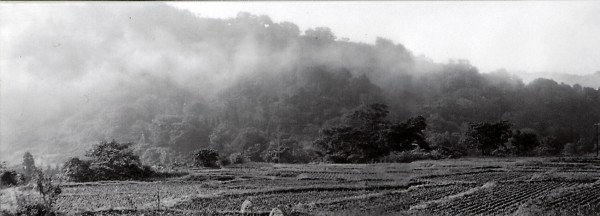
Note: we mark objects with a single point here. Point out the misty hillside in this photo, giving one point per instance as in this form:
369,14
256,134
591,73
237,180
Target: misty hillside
587,80
172,82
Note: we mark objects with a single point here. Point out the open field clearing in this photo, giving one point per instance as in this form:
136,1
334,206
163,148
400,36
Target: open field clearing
471,186
446,187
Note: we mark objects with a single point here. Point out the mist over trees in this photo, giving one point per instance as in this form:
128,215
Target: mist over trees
173,83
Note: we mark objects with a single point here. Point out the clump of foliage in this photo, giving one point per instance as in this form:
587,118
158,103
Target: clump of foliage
500,140
77,170
365,136
580,147
10,178
224,160
237,158
285,149
524,141
570,149
550,145
44,196
107,161
490,136
252,142
447,144
28,165
112,160
206,158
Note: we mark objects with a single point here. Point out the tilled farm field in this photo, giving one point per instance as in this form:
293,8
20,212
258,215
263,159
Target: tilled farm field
475,186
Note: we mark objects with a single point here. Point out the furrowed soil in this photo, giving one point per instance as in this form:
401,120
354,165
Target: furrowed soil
468,186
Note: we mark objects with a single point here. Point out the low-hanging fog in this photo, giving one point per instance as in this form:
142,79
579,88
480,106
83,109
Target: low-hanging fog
168,80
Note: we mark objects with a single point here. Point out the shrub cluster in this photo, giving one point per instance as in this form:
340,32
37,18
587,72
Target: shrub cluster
36,198
107,161
237,158
11,178
206,158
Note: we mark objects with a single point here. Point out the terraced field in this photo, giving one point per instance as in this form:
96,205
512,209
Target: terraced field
482,176
395,201
580,199
263,202
503,198
520,186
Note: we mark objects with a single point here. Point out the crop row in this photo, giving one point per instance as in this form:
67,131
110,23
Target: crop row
570,198
261,202
276,183
166,188
341,175
483,176
395,201
503,198
78,203
266,199
562,166
111,196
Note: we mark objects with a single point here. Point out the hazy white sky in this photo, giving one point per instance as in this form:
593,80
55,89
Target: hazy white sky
533,36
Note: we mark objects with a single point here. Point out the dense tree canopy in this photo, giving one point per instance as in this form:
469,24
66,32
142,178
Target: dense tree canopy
524,142
106,161
366,135
490,136
234,85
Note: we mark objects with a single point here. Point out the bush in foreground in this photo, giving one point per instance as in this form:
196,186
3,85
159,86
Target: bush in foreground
37,198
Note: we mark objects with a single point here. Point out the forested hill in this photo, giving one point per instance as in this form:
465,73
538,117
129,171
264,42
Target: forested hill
589,80
173,82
